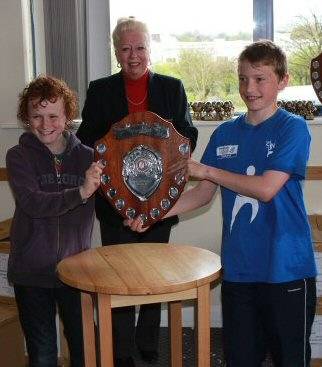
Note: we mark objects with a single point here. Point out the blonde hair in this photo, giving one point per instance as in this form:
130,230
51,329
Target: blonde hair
129,24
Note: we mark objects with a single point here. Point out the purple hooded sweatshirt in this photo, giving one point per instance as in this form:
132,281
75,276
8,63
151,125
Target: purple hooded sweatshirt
50,221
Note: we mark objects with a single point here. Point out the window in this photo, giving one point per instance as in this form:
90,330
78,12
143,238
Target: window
196,42
298,30
200,43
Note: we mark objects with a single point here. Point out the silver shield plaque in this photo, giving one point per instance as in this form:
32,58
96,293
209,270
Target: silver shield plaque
142,171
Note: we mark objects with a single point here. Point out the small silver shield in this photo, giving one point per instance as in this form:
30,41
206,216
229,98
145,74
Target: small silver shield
142,171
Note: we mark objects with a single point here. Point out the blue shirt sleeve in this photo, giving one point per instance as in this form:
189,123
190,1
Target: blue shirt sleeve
292,148
209,156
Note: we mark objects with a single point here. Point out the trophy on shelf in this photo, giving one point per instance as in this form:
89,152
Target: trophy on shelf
316,76
144,161
306,109
212,111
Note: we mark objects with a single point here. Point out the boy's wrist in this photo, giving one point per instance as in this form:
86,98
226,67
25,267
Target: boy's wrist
83,195
208,173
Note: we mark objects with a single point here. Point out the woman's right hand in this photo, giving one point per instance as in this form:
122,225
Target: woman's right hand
136,224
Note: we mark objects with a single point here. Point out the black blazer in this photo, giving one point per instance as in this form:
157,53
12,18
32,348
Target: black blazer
106,104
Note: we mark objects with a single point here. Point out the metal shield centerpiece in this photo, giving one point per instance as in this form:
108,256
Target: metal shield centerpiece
144,160
316,76
142,171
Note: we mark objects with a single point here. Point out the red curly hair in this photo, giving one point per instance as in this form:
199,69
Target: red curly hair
49,88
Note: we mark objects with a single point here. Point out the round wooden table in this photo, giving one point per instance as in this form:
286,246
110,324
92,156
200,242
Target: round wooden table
135,274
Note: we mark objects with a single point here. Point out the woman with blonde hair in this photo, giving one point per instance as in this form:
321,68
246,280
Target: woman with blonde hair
134,89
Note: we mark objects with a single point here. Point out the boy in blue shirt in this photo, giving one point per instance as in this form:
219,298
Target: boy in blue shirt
259,161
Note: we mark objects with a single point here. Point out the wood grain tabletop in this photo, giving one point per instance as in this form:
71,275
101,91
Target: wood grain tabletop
140,269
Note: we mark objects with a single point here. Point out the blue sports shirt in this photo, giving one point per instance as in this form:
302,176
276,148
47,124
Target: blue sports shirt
264,242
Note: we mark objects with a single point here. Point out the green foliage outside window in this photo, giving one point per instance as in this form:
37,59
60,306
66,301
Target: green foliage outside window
205,77
305,43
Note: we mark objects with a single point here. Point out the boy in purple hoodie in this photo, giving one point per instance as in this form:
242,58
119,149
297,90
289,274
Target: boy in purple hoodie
52,177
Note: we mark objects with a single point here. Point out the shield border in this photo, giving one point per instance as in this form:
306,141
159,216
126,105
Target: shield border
174,149
316,75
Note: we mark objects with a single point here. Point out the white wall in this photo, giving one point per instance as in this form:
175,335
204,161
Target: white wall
12,64
13,74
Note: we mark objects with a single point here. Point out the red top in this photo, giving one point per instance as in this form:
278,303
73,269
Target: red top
137,93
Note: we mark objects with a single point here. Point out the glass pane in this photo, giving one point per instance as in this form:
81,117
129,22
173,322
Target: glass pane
197,42
298,30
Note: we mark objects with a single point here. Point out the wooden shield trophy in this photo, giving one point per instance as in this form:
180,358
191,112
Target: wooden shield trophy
144,160
316,76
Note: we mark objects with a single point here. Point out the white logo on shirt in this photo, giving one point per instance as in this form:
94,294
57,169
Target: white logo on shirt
242,200
227,151
270,147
